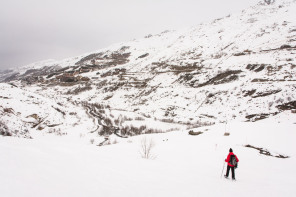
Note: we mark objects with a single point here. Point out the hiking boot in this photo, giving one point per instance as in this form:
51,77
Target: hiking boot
226,176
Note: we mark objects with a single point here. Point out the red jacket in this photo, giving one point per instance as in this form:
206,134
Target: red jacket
228,159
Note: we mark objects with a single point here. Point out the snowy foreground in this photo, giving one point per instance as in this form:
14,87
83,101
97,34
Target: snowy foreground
184,165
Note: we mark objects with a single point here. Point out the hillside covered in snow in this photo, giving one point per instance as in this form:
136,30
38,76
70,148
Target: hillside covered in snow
240,67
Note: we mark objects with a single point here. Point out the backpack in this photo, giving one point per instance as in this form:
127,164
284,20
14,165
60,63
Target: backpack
233,161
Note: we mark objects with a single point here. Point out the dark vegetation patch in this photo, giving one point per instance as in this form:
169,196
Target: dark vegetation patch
124,48
270,80
239,54
245,52
118,58
208,116
283,47
8,110
132,130
186,68
147,91
32,79
260,68
144,55
108,125
80,89
101,60
266,93
256,67
67,79
186,77
63,69
30,75
52,74
36,75
4,131
113,59
214,97
261,80
136,83
266,152
158,66
4,97
170,111
59,110
88,58
113,87
249,92
30,71
256,117
11,77
287,106
221,78
191,132
116,71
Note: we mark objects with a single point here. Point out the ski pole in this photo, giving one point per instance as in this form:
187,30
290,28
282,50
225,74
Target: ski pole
222,169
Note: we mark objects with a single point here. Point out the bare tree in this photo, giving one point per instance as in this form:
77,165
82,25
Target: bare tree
146,148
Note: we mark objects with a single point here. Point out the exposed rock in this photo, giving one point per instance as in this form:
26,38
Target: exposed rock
287,106
225,77
144,55
256,117
249,92
191,132
285,46
256,67
266,152
266,93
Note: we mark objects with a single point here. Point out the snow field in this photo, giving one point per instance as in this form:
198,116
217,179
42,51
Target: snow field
184,165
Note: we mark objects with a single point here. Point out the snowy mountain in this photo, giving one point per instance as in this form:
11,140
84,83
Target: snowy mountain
240,67
194,93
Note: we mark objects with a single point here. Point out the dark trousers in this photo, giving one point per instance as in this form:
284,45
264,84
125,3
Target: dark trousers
232,171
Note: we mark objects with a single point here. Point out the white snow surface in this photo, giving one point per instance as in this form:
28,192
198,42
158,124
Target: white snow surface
183,165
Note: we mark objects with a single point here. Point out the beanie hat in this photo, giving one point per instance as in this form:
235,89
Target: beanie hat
230,150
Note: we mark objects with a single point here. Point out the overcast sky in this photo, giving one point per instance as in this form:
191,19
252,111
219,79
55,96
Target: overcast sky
34,30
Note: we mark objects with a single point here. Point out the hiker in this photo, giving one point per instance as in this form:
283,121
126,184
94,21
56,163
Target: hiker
232,164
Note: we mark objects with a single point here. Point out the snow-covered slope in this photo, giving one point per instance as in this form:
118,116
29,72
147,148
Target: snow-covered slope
185,165
23,111
239,67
